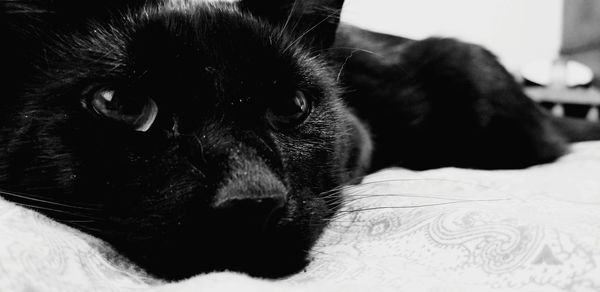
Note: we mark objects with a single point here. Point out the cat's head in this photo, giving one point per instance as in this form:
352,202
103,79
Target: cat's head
203,135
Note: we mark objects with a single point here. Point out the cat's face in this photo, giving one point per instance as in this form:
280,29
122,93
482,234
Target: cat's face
203,134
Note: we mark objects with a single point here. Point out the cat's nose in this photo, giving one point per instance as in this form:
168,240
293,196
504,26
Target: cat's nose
252,196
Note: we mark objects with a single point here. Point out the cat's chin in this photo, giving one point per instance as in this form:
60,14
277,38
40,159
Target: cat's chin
274,255
265,262
271,264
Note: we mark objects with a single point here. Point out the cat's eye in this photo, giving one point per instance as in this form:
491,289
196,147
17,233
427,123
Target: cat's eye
137,114
286,113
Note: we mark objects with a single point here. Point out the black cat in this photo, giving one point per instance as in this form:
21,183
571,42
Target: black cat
196,136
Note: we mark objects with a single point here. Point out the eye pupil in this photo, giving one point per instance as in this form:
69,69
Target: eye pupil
292,107
287,113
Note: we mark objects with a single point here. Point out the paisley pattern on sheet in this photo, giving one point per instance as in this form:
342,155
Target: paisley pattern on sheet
440,230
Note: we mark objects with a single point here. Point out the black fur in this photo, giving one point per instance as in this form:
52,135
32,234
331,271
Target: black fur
227,177
442,102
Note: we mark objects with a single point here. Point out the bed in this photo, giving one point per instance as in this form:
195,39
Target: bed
448,229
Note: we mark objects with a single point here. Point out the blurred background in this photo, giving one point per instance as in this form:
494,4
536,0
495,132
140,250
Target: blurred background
555,43
516,30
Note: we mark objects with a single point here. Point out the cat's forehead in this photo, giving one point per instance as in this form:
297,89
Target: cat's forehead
183,2
187,3
216,49
211,33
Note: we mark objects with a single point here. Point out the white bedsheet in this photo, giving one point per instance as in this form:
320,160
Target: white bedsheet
440,230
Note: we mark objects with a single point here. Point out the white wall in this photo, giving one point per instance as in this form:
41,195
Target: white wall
517,30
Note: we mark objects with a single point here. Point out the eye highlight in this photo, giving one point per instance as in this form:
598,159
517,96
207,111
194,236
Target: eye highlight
136,114
286,113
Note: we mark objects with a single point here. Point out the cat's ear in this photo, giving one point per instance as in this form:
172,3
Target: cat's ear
315,21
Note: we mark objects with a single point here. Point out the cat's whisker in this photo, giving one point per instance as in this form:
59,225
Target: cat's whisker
348,195
309,30
316,251
406,195
353,49
197,139
296,23
340,187
78,221
339,74
339,216
53,210
418,206
445,180
330,194
405,74
92,230
31,198
345,190
287,21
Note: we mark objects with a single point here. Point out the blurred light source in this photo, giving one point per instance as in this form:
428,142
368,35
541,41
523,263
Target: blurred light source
518,31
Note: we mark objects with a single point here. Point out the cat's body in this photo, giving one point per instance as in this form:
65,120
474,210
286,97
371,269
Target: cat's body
442,102
197,136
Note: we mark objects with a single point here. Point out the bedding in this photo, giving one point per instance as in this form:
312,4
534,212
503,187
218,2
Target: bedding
448,229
